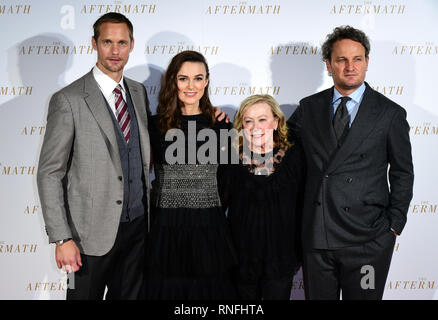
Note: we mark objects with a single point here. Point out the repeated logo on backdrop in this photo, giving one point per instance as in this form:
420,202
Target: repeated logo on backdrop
425,49
239,8
15,9
32,209
55,48
243,90
389,90
175,48
119,7
421,284
33,130
295,49
424,129
368,8
47,286
15,91
423,208
17,248
17,170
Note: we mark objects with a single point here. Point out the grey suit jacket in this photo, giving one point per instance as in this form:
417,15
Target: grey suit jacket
79,166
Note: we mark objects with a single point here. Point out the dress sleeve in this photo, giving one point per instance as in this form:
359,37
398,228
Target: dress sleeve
226,178
227,169
292,169
291,177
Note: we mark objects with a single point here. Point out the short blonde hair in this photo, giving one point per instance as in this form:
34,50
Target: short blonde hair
280,135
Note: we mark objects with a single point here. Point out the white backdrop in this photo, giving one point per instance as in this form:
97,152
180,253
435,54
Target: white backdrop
252,46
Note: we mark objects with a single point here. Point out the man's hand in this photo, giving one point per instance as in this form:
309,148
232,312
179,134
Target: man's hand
68,256
220,115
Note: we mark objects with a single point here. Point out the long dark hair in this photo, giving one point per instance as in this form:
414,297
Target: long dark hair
169,106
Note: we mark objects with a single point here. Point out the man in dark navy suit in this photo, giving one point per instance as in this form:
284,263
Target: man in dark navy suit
355,141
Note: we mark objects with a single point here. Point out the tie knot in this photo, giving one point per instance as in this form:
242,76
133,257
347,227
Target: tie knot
118,89
345,99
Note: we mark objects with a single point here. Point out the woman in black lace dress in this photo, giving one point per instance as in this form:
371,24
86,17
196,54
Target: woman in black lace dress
262,195
190,252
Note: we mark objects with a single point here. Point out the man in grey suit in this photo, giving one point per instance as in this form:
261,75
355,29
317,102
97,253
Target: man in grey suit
355,140
93,172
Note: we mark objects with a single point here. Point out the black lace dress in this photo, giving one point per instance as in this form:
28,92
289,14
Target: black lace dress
263,195
190,252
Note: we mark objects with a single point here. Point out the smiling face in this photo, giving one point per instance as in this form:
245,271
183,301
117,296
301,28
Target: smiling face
113,48
347,65
259,124
191,81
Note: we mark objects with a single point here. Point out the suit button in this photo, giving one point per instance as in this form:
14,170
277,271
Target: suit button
119,201
317,203
120,178
326,176
362,155
349,180
347,209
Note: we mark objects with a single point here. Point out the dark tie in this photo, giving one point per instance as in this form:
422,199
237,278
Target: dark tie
342,119
122,113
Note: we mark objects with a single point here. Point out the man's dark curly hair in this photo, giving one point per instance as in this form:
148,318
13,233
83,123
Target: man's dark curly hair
344,32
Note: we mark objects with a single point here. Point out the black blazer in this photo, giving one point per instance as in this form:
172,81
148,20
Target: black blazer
347,199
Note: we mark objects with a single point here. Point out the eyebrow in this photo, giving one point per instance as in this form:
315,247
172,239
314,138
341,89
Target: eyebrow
108,39
359,56
263,115
197,75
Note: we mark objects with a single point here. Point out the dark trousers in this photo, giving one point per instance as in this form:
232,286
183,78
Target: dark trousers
254,284
359,272
120,270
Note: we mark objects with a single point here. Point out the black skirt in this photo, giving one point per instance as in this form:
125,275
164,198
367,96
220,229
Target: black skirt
191,256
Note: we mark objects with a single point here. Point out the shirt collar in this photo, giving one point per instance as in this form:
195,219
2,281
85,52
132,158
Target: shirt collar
106,84
356,96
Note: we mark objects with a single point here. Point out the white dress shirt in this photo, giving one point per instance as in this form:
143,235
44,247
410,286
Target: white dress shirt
107,86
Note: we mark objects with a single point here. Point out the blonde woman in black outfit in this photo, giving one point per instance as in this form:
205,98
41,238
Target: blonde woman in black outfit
262,196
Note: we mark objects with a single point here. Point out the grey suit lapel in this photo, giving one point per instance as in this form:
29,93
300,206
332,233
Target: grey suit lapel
97,105
140,109
136,101
365,120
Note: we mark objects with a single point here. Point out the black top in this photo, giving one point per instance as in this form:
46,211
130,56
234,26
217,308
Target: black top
263,197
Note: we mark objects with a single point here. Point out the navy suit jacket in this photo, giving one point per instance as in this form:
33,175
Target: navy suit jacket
347,198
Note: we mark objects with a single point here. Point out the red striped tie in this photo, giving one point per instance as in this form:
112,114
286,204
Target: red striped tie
122,113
